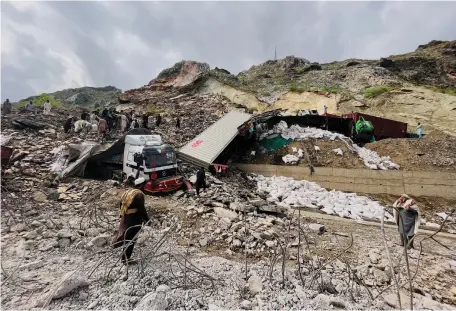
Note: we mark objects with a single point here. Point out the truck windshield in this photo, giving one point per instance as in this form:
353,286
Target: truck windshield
159,157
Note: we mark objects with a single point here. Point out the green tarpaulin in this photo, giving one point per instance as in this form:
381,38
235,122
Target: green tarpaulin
274,142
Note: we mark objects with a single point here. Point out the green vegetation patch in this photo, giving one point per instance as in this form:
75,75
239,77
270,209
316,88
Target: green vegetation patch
443,90
151,108
294,87
39,101
374,91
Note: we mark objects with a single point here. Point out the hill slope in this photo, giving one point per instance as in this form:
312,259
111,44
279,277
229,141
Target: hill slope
416,87
83,96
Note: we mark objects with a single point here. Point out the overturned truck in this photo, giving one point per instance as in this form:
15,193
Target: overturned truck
139,156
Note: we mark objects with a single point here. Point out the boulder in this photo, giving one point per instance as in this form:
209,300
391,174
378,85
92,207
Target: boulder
39,196
224,213
100,241
153,301
392,301
255,284
321,301
246,305
64,242
318,228
69,282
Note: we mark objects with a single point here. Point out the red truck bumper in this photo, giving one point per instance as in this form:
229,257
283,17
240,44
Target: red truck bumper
164,185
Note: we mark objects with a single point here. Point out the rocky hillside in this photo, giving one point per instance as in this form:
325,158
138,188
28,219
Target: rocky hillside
83,97
416,87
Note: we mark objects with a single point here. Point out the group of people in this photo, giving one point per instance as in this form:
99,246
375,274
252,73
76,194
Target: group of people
6,108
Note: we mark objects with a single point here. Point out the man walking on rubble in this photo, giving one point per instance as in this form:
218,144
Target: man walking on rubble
132,215
6,109
200,180
158,120
47,107
407,218
102,128
178,122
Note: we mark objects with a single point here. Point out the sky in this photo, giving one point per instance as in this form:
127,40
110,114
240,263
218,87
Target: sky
49,46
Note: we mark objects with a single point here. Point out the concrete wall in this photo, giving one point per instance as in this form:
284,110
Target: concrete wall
366,181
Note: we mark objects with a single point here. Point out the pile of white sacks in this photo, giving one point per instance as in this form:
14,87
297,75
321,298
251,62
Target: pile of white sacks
287,192
370,158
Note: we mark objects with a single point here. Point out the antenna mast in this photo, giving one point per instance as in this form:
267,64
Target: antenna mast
275,53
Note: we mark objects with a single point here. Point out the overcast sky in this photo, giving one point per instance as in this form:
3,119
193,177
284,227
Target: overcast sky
49,46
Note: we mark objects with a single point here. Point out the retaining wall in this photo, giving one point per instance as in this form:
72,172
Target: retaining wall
416,183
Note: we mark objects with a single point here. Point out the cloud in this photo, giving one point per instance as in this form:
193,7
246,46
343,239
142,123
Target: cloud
47,46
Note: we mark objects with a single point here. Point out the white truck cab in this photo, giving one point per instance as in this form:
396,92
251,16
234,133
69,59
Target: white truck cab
145,156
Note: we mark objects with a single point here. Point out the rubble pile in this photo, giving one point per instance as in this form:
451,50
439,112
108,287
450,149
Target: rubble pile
370,158
197,113
434,152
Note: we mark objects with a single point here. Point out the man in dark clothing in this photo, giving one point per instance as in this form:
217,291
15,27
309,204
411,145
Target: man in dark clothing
200,180
132,215
145,120
178,122
158,120
68,124
85,116
6,107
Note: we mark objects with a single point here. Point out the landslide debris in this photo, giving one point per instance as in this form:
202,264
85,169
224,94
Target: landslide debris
434,152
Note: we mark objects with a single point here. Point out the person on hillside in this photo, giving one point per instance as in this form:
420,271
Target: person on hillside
47,107
145,121
407,218
6,109
200,180
102,128
29,107
419,130
123,123
158,120
325,108
132,215
85,115
134,124
178,122
68,124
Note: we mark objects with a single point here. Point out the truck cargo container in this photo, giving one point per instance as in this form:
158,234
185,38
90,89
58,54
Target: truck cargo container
383,128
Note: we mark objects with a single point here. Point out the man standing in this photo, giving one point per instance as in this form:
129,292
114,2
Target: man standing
158,120
29,107
407,217
178,122
145,121
419,130
102,128
47,107
123,123
6,107
132,215
200,180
